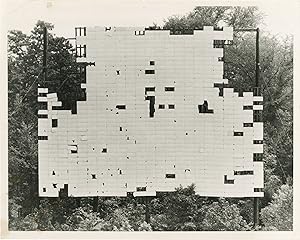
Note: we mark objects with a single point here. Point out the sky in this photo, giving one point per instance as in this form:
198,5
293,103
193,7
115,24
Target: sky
280,16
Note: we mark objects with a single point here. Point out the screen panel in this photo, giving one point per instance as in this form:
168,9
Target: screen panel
157,114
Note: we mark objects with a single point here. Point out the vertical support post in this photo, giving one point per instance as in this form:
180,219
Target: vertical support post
147,212
257,75
78,201
45,50
224,67
95,203
257,67
255,211
45,53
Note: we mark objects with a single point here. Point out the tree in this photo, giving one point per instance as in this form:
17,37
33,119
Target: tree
222,216
238,17
83,219
117,221
145,227
276,83
178,211
272,184
38,220
24,73
135,213
278,114
278,215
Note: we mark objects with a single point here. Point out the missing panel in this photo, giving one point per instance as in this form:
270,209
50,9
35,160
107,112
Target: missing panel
171,106
42,137
170,175
54,123
149,71
238,134
248,107
258,189
121,107
257,157
257,116
169,89
250,172
204,108
141,189
228,181
151,105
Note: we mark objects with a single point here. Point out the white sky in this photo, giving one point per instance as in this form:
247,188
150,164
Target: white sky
281,16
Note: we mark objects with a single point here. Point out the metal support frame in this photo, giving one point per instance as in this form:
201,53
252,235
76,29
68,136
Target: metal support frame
147,211
45,54
95,203
148,199
255,212
257,65
257,77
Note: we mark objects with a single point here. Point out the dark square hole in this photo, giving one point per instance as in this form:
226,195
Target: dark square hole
149,71
168,175
140,189
121,106
169,89
54,123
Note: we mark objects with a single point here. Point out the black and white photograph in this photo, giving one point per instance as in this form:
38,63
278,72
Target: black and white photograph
148,116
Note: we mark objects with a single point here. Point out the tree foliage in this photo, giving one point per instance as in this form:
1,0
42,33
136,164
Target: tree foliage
237,17
276,82
177,211
222,216
278,215
25,71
